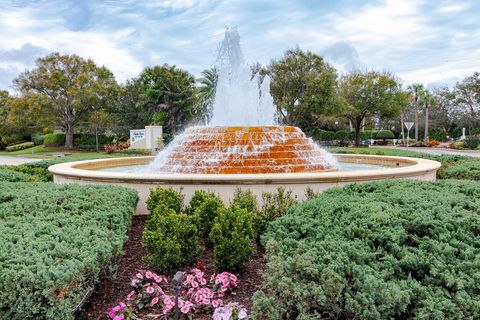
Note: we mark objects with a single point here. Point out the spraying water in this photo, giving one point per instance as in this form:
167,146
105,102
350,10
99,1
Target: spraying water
239,99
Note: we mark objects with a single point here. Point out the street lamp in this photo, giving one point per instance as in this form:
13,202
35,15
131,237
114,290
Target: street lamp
96,128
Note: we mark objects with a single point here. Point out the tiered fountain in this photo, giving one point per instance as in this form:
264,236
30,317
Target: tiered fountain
241,148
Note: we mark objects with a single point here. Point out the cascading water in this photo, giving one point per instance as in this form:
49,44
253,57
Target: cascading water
240,99
242,138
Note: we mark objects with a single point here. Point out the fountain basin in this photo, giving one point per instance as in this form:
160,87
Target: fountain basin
89,172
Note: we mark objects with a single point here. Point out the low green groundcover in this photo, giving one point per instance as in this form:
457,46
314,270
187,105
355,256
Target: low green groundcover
54,240
385,250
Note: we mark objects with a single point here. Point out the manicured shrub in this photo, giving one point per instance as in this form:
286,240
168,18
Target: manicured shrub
458,145
167,197
245,199
274,205
137,151
90,140
54,241
207,212
432,143
438,135
111,148
385,250
9,175
231,236
326,135
470,143
37,139
384,134
20,146
54,139
171,240
342,135
24,173
198,198
464,169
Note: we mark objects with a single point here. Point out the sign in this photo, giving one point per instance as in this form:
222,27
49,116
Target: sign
136,135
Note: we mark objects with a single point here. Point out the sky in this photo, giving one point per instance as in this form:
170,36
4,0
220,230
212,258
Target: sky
432,42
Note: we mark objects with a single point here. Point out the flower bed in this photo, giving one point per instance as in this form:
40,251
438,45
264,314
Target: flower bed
54,240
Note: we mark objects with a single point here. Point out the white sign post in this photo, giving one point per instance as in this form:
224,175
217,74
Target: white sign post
409,126
136,135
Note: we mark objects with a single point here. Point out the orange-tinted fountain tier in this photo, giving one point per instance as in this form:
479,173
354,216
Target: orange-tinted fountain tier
243,150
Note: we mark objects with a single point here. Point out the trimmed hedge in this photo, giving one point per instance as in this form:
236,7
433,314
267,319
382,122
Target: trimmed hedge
24,173
396,249
20,146
54,139
385,134
54,240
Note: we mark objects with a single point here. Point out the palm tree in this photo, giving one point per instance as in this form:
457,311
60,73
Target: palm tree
206,94
416,90
427,100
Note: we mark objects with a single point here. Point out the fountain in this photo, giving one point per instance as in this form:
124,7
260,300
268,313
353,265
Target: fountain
241,148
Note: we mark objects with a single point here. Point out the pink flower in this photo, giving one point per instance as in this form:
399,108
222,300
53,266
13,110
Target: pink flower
139,276
157,278
130,295
154,301
150,290
217,303
135,281
186,307
119,317
149,275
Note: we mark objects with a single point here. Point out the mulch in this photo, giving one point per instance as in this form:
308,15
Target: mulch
111,290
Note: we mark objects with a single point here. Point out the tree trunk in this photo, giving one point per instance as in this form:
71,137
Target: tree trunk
402,125
426,124
69,137
358,126
416,120
350,124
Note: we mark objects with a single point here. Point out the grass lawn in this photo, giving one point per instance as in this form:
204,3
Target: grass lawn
378,151
31,151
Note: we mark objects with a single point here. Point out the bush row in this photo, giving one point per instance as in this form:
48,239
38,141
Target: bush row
384,250
20,146
345,135
172,231
54,240
82,139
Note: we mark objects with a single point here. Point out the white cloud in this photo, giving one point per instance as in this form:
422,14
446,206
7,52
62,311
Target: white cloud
454,8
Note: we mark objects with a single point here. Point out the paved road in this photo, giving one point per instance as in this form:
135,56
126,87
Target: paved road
15,161
440,151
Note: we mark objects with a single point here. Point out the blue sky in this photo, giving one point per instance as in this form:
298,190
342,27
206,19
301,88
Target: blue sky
433,42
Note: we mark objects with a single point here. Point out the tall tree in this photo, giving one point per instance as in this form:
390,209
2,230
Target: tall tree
371,94
427,99
169,93
304,88
416,90
207,86
468,96
69,86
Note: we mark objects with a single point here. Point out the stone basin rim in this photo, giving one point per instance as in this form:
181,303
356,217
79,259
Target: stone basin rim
400,167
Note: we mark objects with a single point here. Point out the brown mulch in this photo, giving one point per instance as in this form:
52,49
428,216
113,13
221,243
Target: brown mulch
111,290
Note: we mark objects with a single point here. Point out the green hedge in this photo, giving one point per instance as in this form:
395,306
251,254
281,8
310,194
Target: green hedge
54,240
386,250
385,134
20,146
54,139
24,173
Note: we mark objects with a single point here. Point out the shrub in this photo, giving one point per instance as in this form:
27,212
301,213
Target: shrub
167,197
384,134
467,169
469,143
54,240
18,147
37,139
140,152
111,148
10,175
54,139
90,140
385,250
198,198
432,143
171,240
342,135
458,145
326,135
274,205
207,212
245,199
438,135
231,236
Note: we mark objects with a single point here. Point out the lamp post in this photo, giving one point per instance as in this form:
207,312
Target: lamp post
96,128
177,286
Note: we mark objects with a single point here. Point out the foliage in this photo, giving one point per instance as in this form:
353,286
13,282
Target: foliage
432,143
231,236
11,175
135,151
469,143
394,249
54,139
20,146
274,205
168,93
206,94
37,139
167,197
111,148
385,134
90,140
170,239
467,169
207,212
245,199
65,87
198,296
371,94
54,240
303,87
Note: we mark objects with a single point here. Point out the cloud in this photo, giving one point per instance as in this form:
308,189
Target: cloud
453,8
343,56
